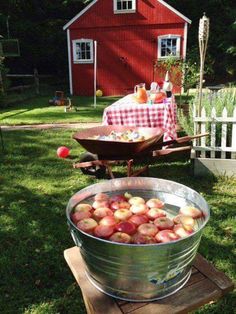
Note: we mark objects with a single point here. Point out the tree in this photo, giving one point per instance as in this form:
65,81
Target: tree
38,24
219,53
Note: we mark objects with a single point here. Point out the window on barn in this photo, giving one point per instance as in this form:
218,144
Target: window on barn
83,51
168,46
124,6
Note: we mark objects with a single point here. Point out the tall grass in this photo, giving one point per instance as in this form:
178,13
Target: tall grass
224,98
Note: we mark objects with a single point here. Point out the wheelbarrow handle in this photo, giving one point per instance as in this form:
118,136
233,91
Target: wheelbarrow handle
167,151
184,139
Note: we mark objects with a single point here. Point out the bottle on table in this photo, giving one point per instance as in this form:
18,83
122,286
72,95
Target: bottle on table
141,93
167,86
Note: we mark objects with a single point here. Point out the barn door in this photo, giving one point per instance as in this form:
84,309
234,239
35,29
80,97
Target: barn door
121,65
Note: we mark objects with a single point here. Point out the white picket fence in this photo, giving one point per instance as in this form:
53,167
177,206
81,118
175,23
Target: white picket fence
228,134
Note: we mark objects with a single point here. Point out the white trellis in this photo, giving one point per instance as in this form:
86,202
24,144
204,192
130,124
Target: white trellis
217,151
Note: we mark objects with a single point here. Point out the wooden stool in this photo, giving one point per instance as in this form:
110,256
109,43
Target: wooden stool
206,284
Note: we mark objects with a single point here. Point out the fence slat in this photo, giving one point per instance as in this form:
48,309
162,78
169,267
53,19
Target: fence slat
218,119
200,123
213,131
203,130
224,133
216,149
233,143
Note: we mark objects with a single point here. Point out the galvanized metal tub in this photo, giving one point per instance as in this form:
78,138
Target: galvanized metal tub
139,272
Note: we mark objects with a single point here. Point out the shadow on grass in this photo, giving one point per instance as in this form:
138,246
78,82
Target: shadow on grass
35,188
33,237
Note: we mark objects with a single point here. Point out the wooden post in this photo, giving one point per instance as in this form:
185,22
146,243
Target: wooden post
95,74
36,81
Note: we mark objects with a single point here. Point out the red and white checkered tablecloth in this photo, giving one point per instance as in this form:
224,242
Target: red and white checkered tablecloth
126,111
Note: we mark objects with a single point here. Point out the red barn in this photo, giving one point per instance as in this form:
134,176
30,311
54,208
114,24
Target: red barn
129,36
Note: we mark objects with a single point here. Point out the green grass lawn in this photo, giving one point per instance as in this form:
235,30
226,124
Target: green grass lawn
37,110
35,188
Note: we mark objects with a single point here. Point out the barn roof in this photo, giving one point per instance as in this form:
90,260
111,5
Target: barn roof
94,1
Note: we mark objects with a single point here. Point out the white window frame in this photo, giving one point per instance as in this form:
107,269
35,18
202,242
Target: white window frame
116,11
169,36
82,40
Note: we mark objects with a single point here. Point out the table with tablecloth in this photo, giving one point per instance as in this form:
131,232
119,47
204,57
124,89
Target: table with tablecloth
126,111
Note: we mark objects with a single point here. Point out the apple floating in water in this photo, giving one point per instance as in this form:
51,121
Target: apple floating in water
87,225
155,203
126,227
155,213
164,223
131,219
120,237
165,236
148,229
102,231
102,212
139,238
191,211
181,231
138,220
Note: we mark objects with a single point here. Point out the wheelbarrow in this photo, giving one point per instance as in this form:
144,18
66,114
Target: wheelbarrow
102,154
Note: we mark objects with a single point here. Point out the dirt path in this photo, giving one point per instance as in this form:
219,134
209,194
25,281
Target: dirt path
49,126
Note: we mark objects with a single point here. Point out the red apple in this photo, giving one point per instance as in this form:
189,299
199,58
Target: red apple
164,236
164,223
136,200
108,221
126,227
155,203
117,198
101,212
102,231
154,213
184,220
139,209
101,197
97,204
122,214
77,216
181,231
142,239
83,207
194,212
148,229
87,225
120,237
138,219
117,205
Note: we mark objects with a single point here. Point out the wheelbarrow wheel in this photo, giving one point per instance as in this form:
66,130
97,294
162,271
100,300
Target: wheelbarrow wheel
96,170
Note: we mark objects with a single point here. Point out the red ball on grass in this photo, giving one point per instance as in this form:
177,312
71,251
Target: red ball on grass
63,152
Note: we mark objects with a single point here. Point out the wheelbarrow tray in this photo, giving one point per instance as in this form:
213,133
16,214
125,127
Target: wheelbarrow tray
117,148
